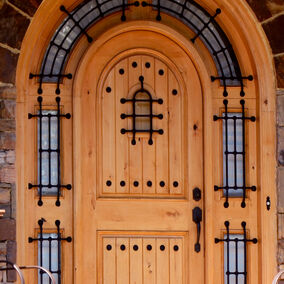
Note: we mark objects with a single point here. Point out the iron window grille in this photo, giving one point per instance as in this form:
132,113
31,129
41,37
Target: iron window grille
54,262
78,21
135,115
235,153
49,151
235,263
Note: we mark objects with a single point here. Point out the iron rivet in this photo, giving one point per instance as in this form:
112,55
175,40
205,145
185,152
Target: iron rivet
174,92
108,247
135,247
134,64
149,183
162,183
147,65
149,247
175,184
162,247
108,183
161,72
122,183
121,71
122,247
135,183
176,248
108,89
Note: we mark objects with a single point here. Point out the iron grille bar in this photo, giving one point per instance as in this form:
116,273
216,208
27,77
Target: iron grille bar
234,153
210,33
199,33
227,239
134,115
49,150
218,11
57,74
49,239
240,79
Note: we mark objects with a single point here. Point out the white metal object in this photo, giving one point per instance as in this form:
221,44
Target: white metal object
40,268
277,277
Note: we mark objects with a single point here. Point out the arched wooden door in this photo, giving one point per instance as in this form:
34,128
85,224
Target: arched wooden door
138,157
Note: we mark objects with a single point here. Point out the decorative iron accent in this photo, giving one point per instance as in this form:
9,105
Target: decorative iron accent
224,79
89,12
235,153
49,238
208,30
48,150
135,115
229,239
74,25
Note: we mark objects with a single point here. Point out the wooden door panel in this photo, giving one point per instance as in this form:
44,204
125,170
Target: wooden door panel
142,169
142,258
138,193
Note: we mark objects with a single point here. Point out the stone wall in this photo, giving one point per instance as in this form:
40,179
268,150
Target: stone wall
15,16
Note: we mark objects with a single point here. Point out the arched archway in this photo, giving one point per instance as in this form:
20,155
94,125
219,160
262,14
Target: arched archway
259,102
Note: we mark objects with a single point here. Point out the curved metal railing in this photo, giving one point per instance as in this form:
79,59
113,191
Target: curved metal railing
20,268
277,277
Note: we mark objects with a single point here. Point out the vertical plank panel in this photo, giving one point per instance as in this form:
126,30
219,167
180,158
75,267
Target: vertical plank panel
148,72
135,151
149,167
163,271
161,142
109,262
149,261
121,91
122,260
176,261
108,133
175,137
136,258
135,165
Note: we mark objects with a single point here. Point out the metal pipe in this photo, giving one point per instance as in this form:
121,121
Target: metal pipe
277,277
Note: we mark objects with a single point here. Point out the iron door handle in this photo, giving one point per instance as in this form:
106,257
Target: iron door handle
197,218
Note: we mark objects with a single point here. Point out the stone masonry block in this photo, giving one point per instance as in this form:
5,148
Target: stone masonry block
279,66
7,140
264,9
280,110
7,125
7,109
8,93
11,256
8,174
11,157
280,145
280,185
7,230
3,248
9,60
280,226
28,6
13,26
274,34
5,195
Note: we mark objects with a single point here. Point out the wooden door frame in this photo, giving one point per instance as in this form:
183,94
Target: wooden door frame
246,34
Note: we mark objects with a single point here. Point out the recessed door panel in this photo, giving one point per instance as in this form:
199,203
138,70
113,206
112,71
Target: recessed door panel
143,109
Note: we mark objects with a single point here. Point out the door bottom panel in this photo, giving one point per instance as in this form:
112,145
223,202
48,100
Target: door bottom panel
142,257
